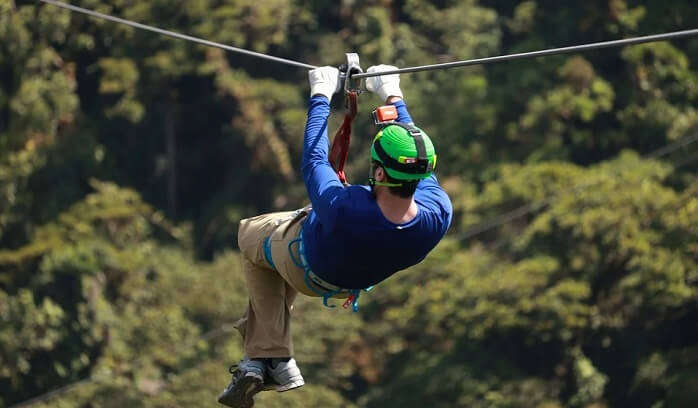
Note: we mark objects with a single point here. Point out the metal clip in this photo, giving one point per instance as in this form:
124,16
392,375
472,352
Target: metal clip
347,70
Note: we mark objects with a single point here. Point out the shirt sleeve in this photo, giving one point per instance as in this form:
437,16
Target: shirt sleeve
429,183
429,190
403,116
324,188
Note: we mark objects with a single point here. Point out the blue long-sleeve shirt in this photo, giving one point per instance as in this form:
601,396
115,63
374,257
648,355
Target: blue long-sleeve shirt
348,241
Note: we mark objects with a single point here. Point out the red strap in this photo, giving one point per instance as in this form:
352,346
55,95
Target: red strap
340,144
349,301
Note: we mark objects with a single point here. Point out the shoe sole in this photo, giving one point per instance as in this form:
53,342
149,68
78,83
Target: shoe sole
241,396
290,386
282,388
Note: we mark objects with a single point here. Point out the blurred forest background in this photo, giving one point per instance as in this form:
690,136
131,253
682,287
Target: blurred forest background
127,160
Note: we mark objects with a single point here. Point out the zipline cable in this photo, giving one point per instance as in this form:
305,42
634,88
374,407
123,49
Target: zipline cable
540,53
447,65
534,206
178,35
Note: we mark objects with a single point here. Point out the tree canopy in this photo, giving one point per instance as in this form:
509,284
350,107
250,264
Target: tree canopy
127,160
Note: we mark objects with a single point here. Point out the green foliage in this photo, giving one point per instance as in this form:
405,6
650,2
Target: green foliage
127,288
39,91
27,327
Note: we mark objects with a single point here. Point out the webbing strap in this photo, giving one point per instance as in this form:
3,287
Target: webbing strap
340,144
267,252
326,294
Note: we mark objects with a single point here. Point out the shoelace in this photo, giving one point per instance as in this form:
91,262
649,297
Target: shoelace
234,368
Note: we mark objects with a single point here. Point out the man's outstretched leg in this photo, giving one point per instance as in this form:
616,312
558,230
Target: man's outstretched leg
266,325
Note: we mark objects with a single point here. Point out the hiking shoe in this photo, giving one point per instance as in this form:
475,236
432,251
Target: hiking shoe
286,375
248,379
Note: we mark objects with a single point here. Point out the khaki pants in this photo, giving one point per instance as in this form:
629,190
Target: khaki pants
266,326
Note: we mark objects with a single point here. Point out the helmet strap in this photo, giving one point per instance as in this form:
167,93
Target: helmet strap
372,181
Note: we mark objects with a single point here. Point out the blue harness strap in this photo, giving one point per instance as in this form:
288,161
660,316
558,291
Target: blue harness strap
302,263
310,277
267,252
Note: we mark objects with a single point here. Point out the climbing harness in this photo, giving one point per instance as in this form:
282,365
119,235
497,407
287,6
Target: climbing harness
311,279
340,144
328,290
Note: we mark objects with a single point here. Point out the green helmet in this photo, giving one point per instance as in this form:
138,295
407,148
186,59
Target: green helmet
404,151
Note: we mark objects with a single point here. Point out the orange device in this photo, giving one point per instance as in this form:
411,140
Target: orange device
384,114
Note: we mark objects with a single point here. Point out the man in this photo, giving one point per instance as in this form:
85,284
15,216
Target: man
351,239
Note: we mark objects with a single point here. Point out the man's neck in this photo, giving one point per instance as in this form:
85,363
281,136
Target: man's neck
395,209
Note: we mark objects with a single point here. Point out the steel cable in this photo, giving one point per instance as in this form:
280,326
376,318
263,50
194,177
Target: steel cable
178,35
540,53
447,65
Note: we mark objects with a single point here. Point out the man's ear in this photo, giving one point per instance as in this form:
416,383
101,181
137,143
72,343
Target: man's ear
379,174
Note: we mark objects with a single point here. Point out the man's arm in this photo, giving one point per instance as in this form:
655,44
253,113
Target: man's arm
321,181
403,116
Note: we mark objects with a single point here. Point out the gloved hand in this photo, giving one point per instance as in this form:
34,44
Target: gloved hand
324,81
384,85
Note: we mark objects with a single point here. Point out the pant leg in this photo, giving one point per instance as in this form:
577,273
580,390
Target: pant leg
266,326
241,324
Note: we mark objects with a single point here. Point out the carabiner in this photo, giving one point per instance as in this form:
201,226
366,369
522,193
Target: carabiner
348,70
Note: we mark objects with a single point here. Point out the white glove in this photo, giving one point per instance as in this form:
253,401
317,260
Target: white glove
384,85
324,81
